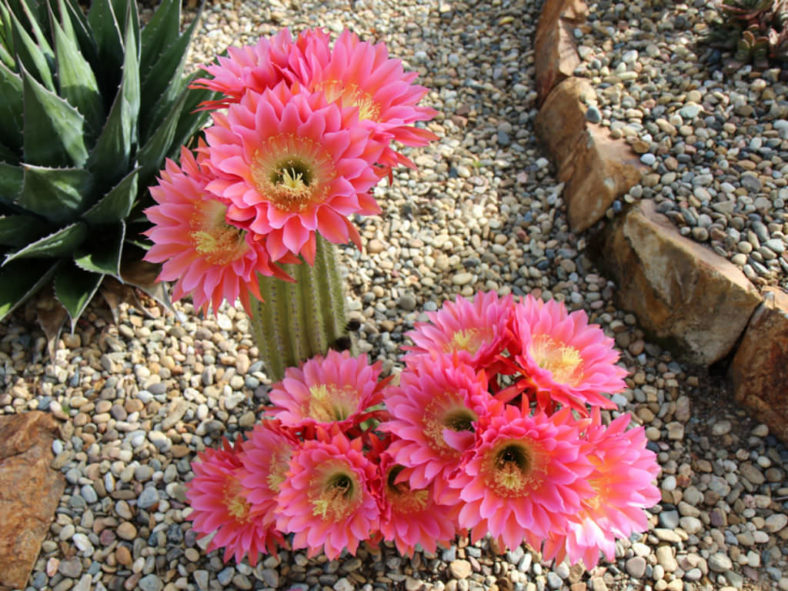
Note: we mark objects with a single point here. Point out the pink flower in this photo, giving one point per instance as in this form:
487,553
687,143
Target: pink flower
206,256
336,388
265,460
260,66
411,516
525,477
292,164
476,331
435,411
563,358
359,74
325,499
623,484
219,505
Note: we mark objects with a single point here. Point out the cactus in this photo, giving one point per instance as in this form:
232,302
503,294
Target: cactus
90,107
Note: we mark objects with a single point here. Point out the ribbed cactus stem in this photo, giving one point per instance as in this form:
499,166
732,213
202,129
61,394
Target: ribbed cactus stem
296,321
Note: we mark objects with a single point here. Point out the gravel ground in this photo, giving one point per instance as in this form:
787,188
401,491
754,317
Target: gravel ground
716,142
137,400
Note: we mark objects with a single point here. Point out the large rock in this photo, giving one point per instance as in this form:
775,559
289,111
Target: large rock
759,370
555,53
684,294
29,492
596,168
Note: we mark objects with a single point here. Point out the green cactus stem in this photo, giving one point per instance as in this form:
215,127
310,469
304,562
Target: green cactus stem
297,320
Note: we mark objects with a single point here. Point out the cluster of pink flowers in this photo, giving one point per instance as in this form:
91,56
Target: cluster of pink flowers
300,136
494,427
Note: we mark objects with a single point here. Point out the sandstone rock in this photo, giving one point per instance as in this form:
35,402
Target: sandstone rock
684,294
759,370
596,168
554,47
29,492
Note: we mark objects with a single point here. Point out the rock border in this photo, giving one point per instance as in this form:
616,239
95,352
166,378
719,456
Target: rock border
695,302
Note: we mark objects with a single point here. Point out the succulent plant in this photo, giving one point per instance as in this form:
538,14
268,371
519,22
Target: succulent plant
90,107
756,29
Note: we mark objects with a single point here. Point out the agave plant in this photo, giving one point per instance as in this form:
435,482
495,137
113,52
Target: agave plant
756,29
90,106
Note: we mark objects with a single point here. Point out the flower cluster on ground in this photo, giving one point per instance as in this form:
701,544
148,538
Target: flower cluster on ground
302,132
499,424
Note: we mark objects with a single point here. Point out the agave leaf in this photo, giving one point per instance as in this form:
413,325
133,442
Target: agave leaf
50,315
10,108
103,255
35,21
76,26
20,280
5,46
164,81
74,288
76,79
162,27
58,194
7,155
111,156
105,25
116,205
11,178
29,54
61,243
143,275
188,126
52,133
159,146
18,230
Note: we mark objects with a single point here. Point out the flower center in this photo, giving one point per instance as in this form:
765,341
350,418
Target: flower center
438,417
401,497
235,501
278,469
510,469
291,172
563,361
336,498
216,240
330,403
350,95
469,339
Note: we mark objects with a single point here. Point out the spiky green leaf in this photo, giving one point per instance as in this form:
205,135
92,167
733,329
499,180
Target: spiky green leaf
74,288
165,80
76,26
10,108
76,79
194,120
103,256
18,230
116,205
106,29
53,134
11,178
61,243
29,54
7,155
20,280
57,194
158,147
111,156
36,17
162,28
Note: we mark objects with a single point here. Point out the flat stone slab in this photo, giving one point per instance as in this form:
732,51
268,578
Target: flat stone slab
554,48
29,492
759,370
684,294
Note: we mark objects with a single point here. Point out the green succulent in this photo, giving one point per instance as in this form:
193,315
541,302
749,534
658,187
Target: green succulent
757,30
90,107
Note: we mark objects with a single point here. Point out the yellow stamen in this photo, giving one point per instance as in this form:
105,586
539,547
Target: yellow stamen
330,403
444,413
235,501
510,468
563,361
402,498
468,340
336,499
216,240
